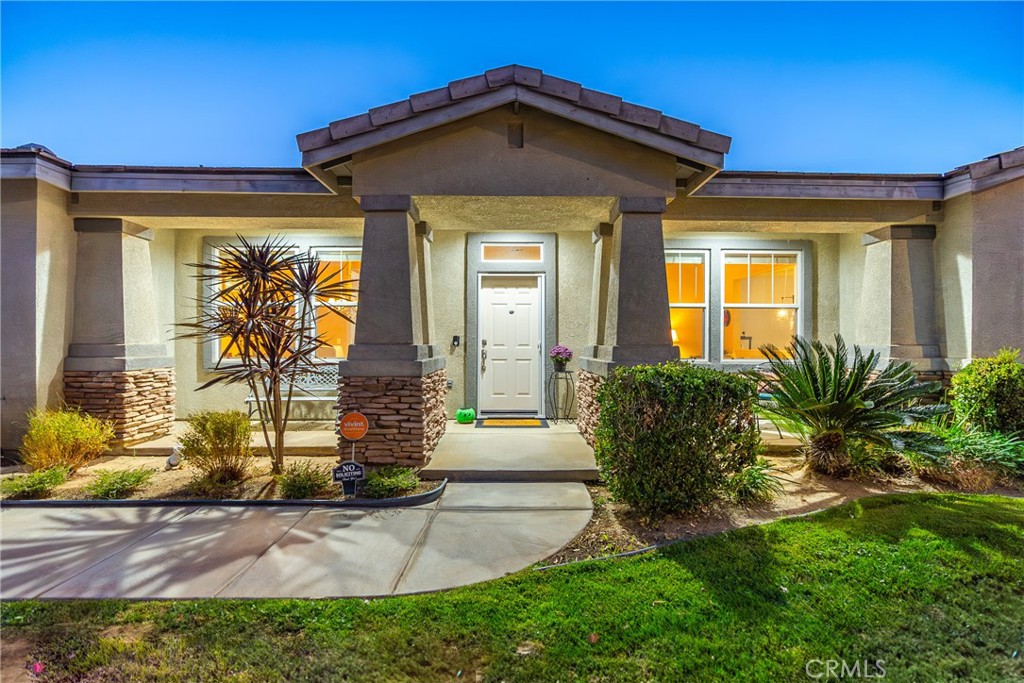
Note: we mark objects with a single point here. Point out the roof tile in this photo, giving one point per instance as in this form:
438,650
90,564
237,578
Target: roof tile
396,111
559,87
601,101
431,99
677,128
524,75
1015,157
321,137
714,141
642,116
466,87
505,75
353,125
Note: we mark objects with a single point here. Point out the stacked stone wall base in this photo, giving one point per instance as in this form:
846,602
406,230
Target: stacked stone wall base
406,416
588,411
140,403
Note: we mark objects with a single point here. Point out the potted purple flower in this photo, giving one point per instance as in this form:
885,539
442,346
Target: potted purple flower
560,355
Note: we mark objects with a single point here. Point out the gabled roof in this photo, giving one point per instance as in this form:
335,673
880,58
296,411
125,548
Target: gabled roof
702,151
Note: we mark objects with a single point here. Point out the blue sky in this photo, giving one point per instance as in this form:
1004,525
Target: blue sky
864,87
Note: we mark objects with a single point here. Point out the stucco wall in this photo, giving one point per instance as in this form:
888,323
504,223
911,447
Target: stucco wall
17,319
998,273
954,280
865,299
163,256
56,243
37,242
474,157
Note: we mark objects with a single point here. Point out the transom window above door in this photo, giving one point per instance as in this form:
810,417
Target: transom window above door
505,252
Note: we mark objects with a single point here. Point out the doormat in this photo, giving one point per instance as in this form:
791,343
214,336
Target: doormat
511,422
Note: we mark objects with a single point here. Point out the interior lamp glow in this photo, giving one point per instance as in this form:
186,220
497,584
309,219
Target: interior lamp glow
675,337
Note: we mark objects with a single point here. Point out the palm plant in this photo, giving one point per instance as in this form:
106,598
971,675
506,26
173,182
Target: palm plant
259,305
828,399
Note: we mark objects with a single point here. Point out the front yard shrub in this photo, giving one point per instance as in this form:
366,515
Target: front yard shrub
303,479
217,444
832,399
117,484
989,392
670,435
64,438
755,483
39,484
390,481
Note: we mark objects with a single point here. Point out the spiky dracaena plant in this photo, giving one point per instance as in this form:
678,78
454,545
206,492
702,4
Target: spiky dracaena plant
259,305
829,398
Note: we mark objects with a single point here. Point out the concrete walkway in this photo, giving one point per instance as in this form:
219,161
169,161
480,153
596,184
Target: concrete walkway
475,532
470,453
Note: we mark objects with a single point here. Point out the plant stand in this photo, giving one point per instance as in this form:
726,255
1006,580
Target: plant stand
561,392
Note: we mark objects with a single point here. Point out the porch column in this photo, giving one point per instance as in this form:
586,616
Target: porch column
913,332
393,373
631,287
117,367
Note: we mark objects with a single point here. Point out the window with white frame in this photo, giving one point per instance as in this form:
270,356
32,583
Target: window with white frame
687,274
760,301
342,266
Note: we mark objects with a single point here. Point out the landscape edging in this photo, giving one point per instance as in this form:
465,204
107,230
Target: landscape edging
414,500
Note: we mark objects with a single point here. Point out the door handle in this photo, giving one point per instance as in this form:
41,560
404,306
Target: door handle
483,355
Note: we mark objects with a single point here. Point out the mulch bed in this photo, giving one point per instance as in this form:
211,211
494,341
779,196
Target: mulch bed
178,483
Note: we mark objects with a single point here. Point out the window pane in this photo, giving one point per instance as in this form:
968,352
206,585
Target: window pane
342,267
736,279
512,252
337,332
760,279
685,275
785,274
688,331
749,328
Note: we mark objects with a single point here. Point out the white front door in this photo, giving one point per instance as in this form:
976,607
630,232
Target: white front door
510,344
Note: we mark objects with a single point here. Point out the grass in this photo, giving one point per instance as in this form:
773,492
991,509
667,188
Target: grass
931,584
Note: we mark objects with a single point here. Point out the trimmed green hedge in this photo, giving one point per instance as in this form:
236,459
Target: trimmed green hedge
670,435
989,392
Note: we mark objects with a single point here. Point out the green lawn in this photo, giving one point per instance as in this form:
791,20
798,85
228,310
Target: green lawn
933,585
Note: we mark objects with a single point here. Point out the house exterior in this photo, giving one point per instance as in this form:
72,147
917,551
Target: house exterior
486,221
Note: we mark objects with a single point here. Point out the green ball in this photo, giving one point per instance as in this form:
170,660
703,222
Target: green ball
465,415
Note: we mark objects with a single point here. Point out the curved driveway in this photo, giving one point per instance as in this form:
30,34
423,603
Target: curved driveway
475,532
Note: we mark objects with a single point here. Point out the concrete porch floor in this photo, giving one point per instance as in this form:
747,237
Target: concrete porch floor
471,453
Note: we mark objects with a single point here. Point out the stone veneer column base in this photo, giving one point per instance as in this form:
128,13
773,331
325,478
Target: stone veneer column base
587,411
140,403
406,416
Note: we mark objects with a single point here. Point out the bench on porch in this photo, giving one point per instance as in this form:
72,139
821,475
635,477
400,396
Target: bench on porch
318,386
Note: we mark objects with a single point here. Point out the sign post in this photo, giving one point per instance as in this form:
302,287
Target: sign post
353,426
